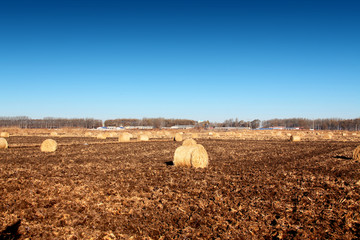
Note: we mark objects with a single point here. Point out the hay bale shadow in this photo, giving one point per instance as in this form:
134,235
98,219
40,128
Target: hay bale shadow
11,232
343,157
170,163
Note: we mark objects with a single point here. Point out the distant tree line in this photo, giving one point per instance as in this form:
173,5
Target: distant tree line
239,123
154,122
317,124
26,122
49,122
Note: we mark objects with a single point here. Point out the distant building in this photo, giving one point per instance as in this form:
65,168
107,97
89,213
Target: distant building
139,127
110,128
279,128
231,128
182,127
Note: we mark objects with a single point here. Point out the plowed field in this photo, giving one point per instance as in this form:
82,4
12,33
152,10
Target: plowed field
102,189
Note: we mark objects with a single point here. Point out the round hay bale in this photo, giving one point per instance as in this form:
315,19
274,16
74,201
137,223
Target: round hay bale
295,138
4,134
112,135
216,135
182,156
301,134
124,137
53,134
200,158
178,137
191,156
3,143
328,136
194,135
167,134
189,142
356,153
88,134
49,145
101,136
143,137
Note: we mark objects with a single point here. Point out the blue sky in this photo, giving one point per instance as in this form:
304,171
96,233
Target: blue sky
201,60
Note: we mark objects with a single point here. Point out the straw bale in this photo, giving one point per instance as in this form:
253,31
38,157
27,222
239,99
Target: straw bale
4,134
112,134
189,142
194,135
124,137
3,143
191,156
178,137
356,153
167,134
328,136
200,158
101,136
295,138
53,134
143,137
216,135
182,156
49,145
88,134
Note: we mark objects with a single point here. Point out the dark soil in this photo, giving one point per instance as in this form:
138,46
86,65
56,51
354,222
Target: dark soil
91,189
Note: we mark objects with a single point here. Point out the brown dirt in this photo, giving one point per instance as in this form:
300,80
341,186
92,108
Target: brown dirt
109,190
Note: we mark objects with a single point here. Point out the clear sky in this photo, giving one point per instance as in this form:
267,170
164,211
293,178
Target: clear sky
202,60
